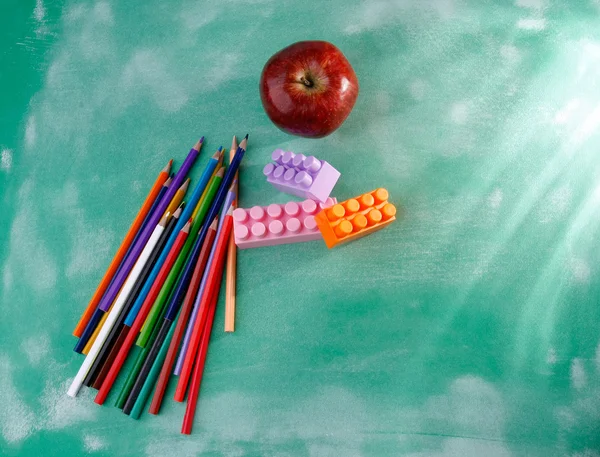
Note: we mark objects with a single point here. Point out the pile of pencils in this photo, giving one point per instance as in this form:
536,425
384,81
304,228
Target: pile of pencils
161,290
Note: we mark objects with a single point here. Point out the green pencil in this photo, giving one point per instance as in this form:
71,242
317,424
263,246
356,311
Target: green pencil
133,374
173,277
136,411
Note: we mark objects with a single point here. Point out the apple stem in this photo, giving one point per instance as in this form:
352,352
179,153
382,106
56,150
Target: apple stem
307,82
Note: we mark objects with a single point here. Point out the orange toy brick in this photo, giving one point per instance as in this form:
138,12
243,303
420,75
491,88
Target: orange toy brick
355,217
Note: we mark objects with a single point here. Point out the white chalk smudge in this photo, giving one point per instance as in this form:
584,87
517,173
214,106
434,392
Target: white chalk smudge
39,12
578,376
565,113
30,254
93,443
551,358
6,159
36,348
459,113
60,411
147,73
532,4
460,447
136,186
417,89
102,12
511,55
580,270
536,25
16,418
556,204
30,132
495,198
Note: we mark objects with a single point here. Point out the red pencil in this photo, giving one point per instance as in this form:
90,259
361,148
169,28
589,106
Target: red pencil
214,278
139,320
184,314
190,410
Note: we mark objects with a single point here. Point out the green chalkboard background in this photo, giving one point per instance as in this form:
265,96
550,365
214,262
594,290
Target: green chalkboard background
470,327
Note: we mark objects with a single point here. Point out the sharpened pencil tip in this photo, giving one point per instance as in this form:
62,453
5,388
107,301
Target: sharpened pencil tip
168,166
202,140
221,172
214,224
168,181
220,148
234,144
178,211
186,227
164,219
185,185
230,211
246,137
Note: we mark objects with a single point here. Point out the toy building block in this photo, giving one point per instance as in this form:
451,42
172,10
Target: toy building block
291,222
355,217
296,174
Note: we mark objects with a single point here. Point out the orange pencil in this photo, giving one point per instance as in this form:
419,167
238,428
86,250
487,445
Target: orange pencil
125,244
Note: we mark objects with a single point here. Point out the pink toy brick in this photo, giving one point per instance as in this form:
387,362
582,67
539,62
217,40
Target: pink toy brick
296,174
292,222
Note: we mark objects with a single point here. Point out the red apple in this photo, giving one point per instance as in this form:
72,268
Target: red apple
308,89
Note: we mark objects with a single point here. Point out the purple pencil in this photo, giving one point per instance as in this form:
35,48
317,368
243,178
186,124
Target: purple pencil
127,265
188,332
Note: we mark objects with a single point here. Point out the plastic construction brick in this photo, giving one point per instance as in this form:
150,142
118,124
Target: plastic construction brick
355,217
291,222
296,174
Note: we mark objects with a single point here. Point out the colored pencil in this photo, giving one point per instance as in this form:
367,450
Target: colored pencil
230,197
132,333
96,318
163,329
174,273
191,205
213,278
181,322
117,307
106,355
178,197
115,286
123,401
116,261
231,257
196,381
219,155
152,375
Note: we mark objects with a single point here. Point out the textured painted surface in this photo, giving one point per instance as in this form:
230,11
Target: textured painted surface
469,327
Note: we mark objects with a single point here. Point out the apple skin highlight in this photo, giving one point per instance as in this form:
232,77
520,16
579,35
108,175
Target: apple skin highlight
308,89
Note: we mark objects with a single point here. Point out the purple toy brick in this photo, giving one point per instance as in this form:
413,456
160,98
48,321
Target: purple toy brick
296,174
275,224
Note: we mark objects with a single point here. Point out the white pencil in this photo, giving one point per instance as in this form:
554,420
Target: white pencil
116,309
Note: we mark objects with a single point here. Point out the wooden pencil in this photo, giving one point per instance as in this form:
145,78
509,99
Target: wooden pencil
189,209
212,281
230,278
97,316
125,244
116,336
182,320
130,260
173,277
141,316
117,307
188,333
196,379
206,330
